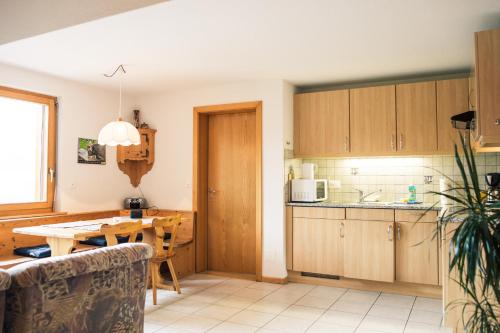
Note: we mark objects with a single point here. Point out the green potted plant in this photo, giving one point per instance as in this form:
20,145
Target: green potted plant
474,246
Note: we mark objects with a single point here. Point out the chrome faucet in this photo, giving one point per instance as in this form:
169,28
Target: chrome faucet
363,196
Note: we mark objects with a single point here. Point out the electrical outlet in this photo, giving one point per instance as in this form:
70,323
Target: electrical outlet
428,179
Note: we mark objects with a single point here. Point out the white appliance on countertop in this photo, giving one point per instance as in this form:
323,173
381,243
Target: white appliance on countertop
308,170
309,190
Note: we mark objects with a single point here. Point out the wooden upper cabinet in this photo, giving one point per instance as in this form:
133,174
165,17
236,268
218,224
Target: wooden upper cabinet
373,120
321,123
416,117
488,87
452,98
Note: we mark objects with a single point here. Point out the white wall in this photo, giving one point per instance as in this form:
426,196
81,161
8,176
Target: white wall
168,185
83,110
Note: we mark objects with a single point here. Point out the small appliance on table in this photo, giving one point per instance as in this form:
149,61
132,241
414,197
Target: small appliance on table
308,189
493,182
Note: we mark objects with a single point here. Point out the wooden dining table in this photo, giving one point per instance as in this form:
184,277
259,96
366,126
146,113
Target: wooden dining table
64,237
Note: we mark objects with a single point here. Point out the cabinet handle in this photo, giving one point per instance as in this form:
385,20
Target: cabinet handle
346,143
389,233
393,147
497,122
401,142
399,232
341,229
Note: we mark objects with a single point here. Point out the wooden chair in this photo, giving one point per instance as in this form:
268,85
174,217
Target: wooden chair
130,228
164,253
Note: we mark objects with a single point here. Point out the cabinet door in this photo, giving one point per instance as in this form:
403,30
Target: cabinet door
416,253
373,120
416,117
318,246
321,123
452,98
488,85
369,250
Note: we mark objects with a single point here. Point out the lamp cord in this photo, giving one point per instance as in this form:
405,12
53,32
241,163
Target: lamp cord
120,104
113,74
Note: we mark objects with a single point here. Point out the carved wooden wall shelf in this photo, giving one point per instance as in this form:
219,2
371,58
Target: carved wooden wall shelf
136,160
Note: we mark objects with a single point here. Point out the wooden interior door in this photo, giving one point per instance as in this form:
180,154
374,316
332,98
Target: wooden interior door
452,98
231,229
369,250
373,120
416,117
416,253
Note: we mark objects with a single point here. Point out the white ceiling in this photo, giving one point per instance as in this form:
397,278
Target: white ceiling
27,18
187,43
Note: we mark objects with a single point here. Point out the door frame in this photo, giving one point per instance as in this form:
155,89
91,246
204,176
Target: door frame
200,177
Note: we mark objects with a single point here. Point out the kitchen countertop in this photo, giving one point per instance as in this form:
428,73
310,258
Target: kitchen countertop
376,205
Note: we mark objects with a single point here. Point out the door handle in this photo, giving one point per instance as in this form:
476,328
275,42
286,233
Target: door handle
399,232
401,141
346,144
211,191
393,139
389,233
341,229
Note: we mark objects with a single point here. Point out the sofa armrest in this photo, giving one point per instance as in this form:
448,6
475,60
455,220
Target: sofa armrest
4,280
63,267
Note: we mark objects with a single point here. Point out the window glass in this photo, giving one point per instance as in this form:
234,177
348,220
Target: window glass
23,156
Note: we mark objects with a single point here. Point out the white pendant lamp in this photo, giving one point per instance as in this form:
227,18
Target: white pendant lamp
119,132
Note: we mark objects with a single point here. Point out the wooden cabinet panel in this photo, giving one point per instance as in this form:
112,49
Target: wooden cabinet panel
321,123
416,253
416,117
289,238
319,213
369,214
369,250
420,216
488,85
452,98
318,246
373,119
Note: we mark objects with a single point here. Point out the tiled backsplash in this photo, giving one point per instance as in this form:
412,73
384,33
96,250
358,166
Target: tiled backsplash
392,175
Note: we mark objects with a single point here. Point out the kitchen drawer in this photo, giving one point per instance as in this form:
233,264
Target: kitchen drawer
319,213
370,214
413,215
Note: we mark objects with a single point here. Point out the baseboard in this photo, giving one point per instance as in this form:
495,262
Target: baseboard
395,288
275,280
232,275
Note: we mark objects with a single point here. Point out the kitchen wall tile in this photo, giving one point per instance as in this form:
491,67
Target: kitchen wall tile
391,174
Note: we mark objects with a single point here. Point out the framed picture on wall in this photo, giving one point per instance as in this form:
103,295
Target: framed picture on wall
90,152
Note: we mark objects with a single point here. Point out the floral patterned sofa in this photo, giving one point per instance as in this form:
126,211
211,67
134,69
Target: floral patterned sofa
4,285
99,290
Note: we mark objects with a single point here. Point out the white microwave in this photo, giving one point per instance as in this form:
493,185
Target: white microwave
309,190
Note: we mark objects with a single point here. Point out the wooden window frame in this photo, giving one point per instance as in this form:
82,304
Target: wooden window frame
46,206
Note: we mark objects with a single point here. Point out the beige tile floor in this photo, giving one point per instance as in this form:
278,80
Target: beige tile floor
211,303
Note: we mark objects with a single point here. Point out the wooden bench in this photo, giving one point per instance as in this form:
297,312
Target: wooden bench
184,260
10,240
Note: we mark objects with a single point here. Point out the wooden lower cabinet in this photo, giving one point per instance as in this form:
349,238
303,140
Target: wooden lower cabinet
369,250
417,258
318,246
